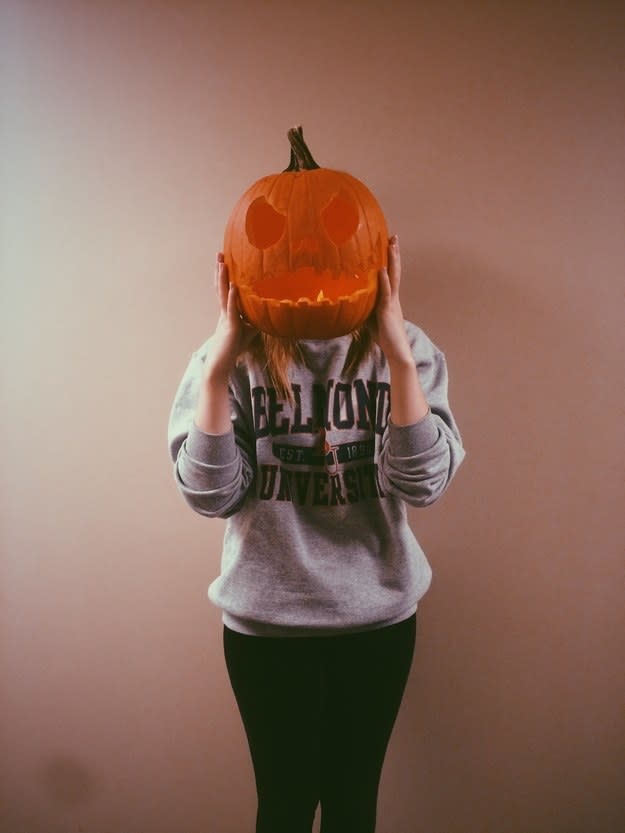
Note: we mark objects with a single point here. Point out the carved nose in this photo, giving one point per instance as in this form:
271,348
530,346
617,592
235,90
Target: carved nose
307,244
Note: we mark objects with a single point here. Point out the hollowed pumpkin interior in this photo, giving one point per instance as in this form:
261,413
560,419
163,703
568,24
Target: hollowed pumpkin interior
309,285
308,303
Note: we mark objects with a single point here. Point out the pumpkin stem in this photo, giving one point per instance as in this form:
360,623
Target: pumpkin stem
301,157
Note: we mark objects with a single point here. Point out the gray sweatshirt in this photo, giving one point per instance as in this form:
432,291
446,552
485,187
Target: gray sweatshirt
317,540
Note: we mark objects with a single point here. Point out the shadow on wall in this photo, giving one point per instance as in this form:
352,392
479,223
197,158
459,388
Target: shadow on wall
480,309
65,785
525,389
66,780
518,360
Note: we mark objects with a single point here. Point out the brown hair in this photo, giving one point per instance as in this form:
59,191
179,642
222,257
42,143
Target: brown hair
277,354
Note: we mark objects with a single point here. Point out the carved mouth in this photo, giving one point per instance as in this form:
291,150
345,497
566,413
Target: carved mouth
307,303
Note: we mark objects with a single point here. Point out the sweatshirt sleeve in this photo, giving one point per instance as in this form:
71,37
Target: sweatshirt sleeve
212,471
417,462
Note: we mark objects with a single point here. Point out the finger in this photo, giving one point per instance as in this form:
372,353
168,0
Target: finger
384,285
219,259
232,307
222,286
394,262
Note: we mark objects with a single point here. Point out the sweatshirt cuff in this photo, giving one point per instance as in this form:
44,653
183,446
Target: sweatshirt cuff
408,440
220,449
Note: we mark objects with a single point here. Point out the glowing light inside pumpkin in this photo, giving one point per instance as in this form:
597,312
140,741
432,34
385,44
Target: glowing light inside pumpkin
320,296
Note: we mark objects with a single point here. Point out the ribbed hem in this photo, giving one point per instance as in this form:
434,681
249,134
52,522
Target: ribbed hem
250,627
408,440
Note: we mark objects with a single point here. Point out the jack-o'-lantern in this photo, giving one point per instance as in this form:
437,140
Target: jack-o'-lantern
304,247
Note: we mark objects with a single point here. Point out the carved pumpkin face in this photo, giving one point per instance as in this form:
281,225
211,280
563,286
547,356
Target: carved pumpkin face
304,248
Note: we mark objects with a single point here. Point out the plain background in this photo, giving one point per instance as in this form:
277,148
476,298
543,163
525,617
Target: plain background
492,135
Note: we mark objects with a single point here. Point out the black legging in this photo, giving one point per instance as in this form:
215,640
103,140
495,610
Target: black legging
318,713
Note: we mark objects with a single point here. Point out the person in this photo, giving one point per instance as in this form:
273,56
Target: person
312,450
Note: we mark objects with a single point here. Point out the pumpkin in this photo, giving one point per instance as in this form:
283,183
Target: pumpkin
304,247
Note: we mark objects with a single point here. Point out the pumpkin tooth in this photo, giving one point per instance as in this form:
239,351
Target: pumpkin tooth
304,301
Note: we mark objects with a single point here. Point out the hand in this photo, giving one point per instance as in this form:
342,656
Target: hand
388,320
232,335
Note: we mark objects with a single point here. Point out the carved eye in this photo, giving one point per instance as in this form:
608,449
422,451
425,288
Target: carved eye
264,225
340,218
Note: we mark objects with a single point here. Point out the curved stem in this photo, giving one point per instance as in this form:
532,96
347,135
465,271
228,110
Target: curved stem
301,157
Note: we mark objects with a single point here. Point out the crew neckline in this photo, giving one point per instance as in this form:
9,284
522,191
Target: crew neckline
335,340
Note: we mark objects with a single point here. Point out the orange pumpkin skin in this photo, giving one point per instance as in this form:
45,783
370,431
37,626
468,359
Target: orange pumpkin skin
304,248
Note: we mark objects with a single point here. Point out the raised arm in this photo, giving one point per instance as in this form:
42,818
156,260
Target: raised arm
421,447
209,434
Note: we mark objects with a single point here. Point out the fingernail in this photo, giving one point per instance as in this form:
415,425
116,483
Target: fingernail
220,257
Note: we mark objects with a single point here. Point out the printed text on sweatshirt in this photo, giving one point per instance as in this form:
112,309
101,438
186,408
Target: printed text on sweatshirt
317,538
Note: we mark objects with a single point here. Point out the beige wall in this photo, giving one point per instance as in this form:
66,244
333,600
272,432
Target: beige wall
492,135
